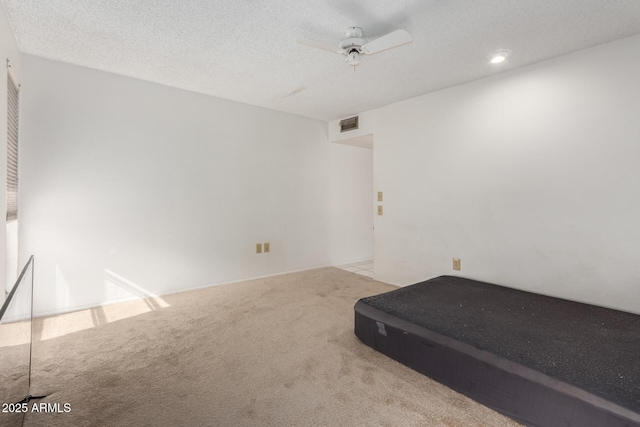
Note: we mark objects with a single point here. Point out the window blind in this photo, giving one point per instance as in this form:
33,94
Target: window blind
12,149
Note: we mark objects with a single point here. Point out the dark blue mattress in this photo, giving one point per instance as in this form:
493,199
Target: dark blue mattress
542,361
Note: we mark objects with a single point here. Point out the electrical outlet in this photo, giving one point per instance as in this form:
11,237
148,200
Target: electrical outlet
379,196
379,210
266,247
258,248
456,264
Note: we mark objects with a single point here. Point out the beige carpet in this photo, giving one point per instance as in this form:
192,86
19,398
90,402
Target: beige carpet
277,351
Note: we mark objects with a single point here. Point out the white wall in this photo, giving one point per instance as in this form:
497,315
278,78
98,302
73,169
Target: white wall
8,50
531,177
130,187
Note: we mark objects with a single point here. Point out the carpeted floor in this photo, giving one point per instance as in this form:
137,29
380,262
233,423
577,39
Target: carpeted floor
276,351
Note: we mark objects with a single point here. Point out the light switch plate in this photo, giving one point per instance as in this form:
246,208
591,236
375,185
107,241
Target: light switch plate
266,247
379,196
258,248
379,210
456,264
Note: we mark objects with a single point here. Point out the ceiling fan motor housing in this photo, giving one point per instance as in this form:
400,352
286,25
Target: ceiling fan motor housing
353,43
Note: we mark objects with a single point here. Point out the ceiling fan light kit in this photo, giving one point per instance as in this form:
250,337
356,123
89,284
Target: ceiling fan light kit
353,58
354,46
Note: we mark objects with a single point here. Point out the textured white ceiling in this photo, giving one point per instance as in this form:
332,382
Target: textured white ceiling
247,50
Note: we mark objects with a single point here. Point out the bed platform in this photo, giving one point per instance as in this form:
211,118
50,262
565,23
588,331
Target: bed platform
539,360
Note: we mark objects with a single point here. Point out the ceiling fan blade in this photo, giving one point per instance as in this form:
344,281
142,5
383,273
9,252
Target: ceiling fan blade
318,45
389,41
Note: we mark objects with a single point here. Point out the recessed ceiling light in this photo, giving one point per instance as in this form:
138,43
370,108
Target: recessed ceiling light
499,56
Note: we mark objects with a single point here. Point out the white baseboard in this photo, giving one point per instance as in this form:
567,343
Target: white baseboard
175,291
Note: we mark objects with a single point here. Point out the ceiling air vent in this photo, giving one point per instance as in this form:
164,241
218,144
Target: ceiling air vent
349,124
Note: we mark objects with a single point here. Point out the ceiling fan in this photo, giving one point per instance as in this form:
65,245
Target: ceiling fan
354,47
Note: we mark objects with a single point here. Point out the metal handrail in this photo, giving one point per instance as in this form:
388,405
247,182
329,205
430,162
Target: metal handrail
5,306
15,288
